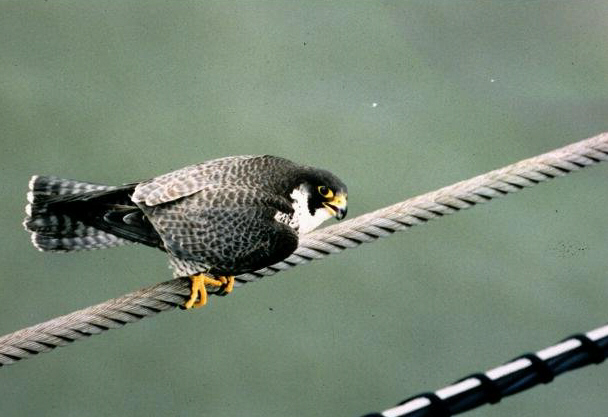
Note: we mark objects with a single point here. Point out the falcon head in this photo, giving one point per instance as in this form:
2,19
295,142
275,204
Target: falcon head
319,196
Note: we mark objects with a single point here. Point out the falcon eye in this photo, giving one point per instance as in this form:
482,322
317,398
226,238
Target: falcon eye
325,192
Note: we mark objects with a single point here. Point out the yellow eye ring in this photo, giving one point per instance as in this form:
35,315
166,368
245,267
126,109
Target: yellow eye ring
325,191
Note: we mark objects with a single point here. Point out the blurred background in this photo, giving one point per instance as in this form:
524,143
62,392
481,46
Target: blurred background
397,98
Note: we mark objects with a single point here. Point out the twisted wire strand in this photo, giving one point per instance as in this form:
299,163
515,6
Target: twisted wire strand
114,313
348,234
451,199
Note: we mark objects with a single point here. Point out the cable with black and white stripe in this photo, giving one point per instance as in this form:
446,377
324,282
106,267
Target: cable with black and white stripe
520,374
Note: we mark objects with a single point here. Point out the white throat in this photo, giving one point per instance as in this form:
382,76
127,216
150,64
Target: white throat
302,220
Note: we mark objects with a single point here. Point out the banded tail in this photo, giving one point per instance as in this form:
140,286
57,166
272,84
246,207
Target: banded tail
66,215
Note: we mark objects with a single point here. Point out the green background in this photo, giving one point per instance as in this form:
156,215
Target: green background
118,91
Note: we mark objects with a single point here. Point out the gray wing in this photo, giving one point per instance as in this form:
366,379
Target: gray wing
231,230
245,171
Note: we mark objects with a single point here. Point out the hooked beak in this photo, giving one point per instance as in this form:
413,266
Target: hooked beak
337,206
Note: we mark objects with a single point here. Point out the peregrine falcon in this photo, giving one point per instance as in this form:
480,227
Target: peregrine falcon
215,220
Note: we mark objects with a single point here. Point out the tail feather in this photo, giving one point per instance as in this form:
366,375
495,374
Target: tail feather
49,185
53,228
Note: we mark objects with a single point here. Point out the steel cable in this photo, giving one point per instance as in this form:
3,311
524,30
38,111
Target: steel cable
348,234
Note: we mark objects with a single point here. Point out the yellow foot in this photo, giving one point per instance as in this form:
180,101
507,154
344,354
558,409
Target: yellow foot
228,282
199,291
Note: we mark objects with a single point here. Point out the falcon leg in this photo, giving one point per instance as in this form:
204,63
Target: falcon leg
228,283
199,291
